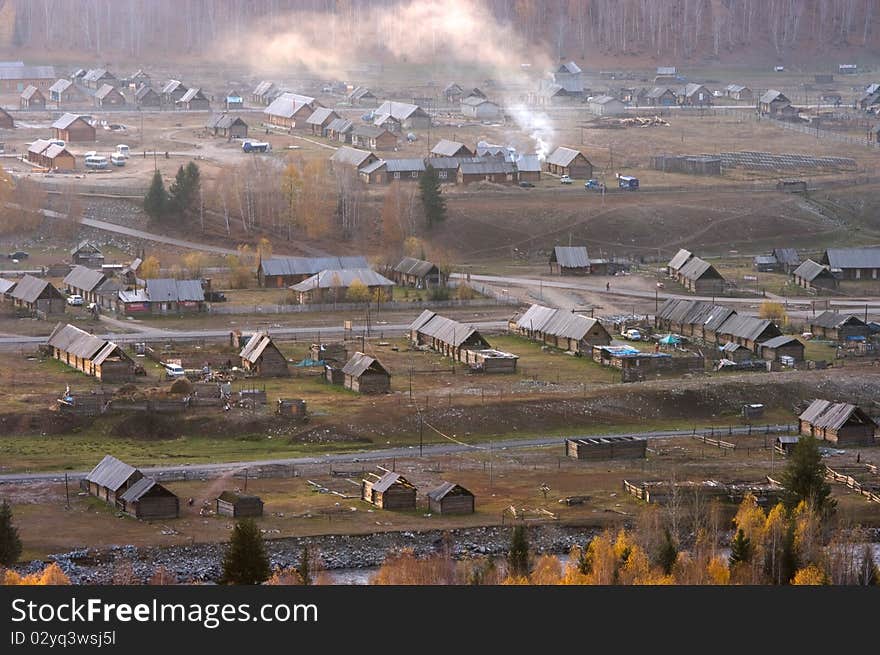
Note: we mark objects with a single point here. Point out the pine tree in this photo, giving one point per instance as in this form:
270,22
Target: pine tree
804,478
10,544
518,556
305,565
245,561
156,199
432,197
184,191
667,554
740,549
868,573
788,557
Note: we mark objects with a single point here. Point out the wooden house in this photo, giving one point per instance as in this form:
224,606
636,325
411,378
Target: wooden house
372,137
418,273
561,329
528,168
660,96
109,96
480,109
148,500
787,259
736,353
260,356
320,119
110,479
261,95
50,156
773,102
739,92
173,91
280,272
569,260
388,490
450,498
32,99
146,96
596,448
853,263
34,294
365,374
569,76
332,285
606,105
695,95
812,275
361,96
497,171
64,92
748,331
784,445
95,78
87,253
102,359
403,115
785,345
290,110
453,93
567,161
841,423
138,79
233,100
351,158
838,327
84,281
447,148
340,130
73,128
6,120
227,125
15,76
169,296
460,342
193,100
238,505
700,277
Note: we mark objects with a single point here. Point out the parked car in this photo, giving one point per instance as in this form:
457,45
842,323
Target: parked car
565,179
97,161
18,254
594,184
174,371
526,185
75,300
117,160
632,335
58,142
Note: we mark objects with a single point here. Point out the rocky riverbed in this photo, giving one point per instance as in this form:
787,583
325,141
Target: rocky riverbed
201,562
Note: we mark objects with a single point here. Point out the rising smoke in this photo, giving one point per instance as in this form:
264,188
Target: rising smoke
419,32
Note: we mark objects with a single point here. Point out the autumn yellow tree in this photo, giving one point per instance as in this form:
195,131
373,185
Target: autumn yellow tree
291,190
774,311
51,575
357,292
194,262
810,575
150,268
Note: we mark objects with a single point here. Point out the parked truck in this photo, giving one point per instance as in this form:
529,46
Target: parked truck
255,146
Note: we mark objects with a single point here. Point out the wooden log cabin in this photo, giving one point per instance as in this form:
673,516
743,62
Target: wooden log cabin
91,355
388,490
365,374
844,424
260,356
596,448
148,500
451,498
234,504
110,479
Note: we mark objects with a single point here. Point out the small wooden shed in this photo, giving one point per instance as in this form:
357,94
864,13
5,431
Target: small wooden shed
291,407
594,448
234,504
262,357
840,423
366,374
388,490
450,498
110,479
148,500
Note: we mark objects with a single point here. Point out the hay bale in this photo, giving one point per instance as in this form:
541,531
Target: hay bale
181,387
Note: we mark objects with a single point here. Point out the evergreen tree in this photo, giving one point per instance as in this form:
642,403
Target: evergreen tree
245,561
788,557
156,199
518,556
432,197
184,191
10,544
667,554
804,478
305,566
868,573
740,549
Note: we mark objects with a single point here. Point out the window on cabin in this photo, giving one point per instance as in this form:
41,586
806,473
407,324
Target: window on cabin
396,175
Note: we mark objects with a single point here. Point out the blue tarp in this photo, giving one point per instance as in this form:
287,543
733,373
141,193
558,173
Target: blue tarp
310,362
670,340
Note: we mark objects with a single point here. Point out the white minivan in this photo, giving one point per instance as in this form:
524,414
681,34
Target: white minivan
117,160
96,161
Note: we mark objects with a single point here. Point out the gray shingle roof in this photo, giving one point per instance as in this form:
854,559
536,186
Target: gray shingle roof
368,131
390,479
255,346
446,330
342,125
288,104
452,163
84,278
371,168
141,488
810,270
263,88
169,290
772,95
749,328
778,342
765,260
104,91
680,259
192,94
21,71
787,256
444,488
489,166
143,91
528,164
30,288
843,258
697,268
309,265
360,92
30,92
348,156
826,414
224,121
569,67
61,85
342,278
571,256
413,266
75,341
320,116
6,285
66,120
658,91
447,148
831,320
399,110
111,473
360,363
173,85
563,156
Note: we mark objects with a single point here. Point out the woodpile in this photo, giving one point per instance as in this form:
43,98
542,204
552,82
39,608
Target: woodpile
641,121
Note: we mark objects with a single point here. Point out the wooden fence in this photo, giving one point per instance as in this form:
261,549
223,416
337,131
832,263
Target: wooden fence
724,445
870,490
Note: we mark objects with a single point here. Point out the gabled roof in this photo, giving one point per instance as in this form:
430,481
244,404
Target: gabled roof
475,101
360,92
551,89
772,95
535,318
852,258
569,325
111,473
400,110
75,341
85,246
697,268
96,74
786,256
255,346
778,342
224,121
563,156
360,363
82,277
390,479
765,260
810,270
834,320
368,131
658,91
192,94
422,318
39,146
571,256
447,148
528,163
340,125
826,414
263,88
309,265
320,116
569,67
736,88
342,278
30,92
446,330
54,150
234,497
289,104
66,120
30,288
169,290
6,285
452,88
452,163
61,85
444,488
371,168
141,488
413,266
749,327
489,166
173,85
603,100
17,70
692,88
349,156
143,91
105,90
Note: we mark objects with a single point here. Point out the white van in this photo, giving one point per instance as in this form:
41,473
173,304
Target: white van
122,150
117,160
97,161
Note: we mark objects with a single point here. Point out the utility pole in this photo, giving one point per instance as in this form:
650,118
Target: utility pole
421,432
66,493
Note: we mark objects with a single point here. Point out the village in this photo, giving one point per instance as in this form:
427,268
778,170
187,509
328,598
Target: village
397,303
